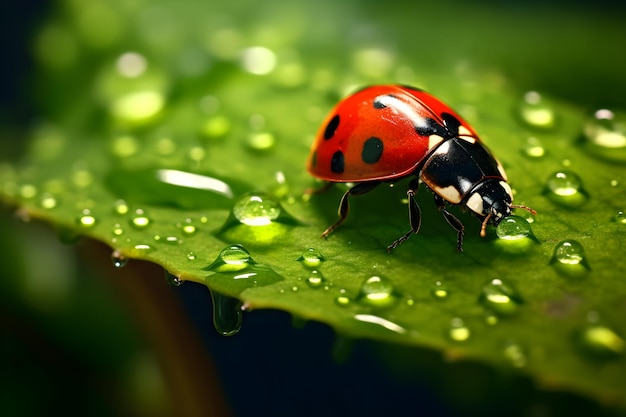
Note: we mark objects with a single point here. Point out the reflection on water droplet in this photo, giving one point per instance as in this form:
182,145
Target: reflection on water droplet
172,279
232,258
566,188
142,247
191,256
387,324
87,220
534,148
227,314
342,299
171,240
256,209
620,217
536,112
311,258
117,229
605,135
439,291
118,260
378,291
500,297
187,227
458,331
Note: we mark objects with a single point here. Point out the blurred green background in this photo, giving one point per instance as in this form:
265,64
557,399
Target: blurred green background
84,338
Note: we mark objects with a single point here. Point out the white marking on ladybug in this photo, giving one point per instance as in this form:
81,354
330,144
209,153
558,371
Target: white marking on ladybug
475,203
501,171
434,140
507,188
467,138
449,193
463,131
442,149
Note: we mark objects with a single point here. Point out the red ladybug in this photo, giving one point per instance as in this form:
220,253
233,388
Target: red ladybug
385,133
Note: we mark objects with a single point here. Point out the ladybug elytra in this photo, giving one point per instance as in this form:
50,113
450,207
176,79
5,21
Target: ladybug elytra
382,134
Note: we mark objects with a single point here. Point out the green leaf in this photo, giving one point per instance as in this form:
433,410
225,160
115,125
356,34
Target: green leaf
190,152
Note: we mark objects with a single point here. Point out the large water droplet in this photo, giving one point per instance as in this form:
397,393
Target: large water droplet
378,291
315,279
232,258
536,112
569,258
256,209
311,258
500,297
227,314
566,188
605,135
514,228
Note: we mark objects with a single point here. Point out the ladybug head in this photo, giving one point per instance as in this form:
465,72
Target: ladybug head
490,201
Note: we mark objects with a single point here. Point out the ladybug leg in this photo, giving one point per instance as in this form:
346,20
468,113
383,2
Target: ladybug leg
344,205
452,221
415,215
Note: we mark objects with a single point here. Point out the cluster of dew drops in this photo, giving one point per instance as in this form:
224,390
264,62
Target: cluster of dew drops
604,135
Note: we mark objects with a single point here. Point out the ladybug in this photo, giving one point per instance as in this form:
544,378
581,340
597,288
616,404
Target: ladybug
382,134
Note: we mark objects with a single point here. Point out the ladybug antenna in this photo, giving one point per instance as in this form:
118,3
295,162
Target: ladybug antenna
483,228
528,209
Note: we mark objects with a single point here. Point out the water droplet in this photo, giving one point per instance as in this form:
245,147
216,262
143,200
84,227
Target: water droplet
316,279
120,207
227,314
439,291
600,341
566,188
515,354
256,209
513,228
605,135
118,260
569,252
261,141
342,299
569,258
620,217
142,248
48,201
86,220
140,220
173,280
82,177
536,112
188,228
171,240
311,258
28,191
258,60
534,148
235,263
124,146
500,297
191,256
458,331
491,320
216,127
117,229
378,291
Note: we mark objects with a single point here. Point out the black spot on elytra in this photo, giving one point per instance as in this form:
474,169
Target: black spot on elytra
331,127
372,150
337,163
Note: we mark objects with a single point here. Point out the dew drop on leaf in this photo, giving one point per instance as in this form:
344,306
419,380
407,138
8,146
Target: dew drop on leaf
315,279
173,280
256,209
566,188
86,219
500,297
536,112
439,291
513,228
311,258
605,135
534,148
458,331
378,291
140,220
